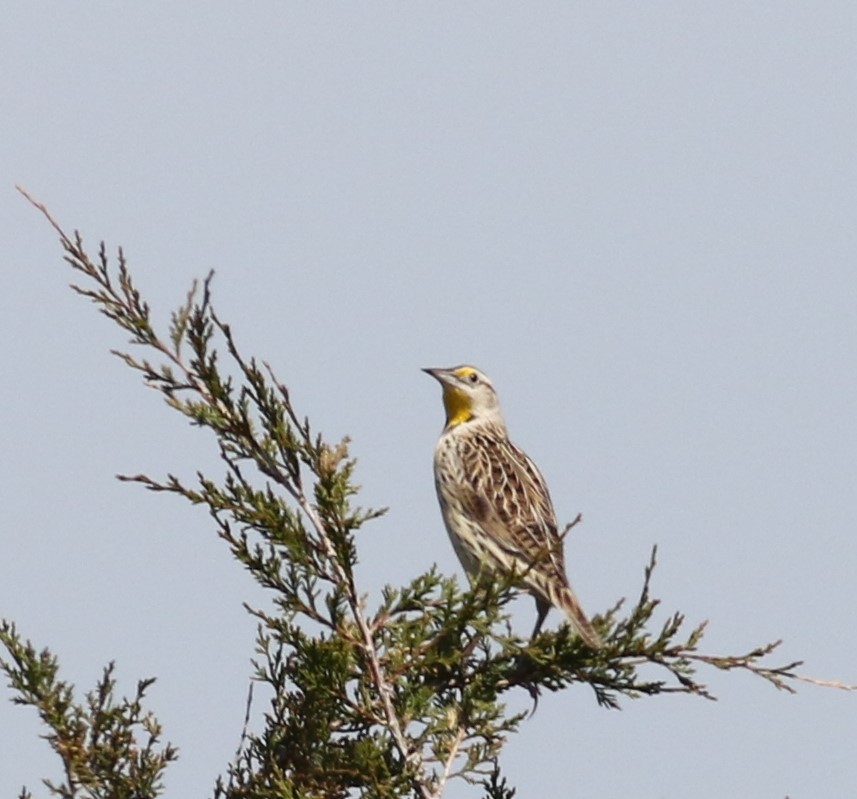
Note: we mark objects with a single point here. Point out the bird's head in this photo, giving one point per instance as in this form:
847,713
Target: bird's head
468,395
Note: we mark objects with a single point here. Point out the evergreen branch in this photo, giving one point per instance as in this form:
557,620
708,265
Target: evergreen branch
107,748
389,703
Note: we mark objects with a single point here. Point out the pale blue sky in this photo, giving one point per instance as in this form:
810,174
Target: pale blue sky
639,219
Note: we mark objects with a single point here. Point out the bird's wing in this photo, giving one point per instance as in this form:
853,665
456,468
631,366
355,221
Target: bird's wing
507,494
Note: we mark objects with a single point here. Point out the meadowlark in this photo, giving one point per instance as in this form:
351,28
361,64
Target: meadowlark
494,501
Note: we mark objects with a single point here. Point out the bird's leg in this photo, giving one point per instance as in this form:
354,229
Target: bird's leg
542,608
468,650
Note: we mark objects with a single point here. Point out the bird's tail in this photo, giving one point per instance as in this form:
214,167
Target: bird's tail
567,602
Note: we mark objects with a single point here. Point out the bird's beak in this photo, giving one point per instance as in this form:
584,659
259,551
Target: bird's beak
443,376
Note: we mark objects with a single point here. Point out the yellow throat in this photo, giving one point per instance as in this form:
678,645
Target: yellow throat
458,406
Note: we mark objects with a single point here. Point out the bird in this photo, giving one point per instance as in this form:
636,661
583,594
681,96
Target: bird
495,503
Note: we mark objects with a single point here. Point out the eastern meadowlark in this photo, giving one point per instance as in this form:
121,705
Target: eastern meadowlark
494,501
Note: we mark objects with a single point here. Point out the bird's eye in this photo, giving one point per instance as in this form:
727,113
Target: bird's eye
473,377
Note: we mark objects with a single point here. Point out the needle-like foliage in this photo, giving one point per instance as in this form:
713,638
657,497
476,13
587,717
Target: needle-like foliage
388,701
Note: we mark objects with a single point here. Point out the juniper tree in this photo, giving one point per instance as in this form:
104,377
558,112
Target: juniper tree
382,701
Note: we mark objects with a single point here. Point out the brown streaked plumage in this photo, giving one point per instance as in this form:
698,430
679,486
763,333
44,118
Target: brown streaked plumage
494,501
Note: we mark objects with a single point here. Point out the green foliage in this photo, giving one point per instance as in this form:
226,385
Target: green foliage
108,750
386,702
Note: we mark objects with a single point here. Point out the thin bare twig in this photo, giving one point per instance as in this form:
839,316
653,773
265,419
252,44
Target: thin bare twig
47,214
449,762
570,526
839,685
